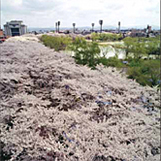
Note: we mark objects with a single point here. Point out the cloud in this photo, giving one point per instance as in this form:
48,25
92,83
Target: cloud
44,13
40,5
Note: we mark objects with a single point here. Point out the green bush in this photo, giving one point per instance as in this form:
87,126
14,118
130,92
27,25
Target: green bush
57,43
145,72
136,46
135,73
153,46
134,63
140,47
105,37
85,53
103,61
111,62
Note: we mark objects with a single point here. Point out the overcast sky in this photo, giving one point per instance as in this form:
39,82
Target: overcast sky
44,13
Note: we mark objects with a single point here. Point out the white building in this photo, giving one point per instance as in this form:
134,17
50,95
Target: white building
15,28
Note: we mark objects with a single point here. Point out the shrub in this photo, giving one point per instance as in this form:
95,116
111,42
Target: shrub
103,61
57,43
134,63
111,62
85,53
105,37
140,47
153,46
145,72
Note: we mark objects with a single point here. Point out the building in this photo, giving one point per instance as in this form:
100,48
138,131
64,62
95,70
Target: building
137,33
15,28
1,33
149,29
2,36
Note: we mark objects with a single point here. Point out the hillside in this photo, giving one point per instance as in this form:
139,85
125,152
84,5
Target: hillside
53,109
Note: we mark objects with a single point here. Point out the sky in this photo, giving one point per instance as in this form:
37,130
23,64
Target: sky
44,13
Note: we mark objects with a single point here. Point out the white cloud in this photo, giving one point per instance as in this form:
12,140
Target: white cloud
44,13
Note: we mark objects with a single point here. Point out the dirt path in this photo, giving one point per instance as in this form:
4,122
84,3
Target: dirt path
52,109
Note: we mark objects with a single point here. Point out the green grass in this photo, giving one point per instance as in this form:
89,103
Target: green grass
103,37
145,72
111,62
57,43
